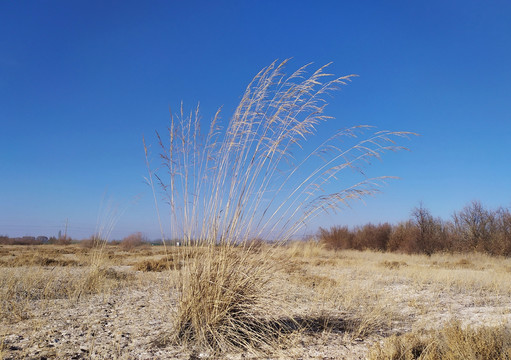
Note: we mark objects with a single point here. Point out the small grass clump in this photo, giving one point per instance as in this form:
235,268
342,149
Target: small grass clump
453,342
158,265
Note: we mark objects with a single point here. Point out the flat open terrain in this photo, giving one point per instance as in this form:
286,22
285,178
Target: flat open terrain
71,302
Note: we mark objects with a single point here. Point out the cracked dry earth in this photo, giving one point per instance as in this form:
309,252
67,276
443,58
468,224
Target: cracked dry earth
364,297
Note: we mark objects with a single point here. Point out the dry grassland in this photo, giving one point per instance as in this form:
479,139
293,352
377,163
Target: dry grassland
70,302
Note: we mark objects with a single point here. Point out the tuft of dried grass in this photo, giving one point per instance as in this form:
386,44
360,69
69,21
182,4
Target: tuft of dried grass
225,302
242,182
305,249
452,342
161,264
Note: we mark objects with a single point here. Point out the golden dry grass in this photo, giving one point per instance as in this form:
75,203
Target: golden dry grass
382,292
34,276
336,304
452,342
225,301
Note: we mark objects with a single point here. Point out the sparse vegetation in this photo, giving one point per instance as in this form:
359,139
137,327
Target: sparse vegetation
29,284
315,302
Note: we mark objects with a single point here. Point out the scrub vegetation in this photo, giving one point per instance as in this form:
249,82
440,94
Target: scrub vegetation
474,228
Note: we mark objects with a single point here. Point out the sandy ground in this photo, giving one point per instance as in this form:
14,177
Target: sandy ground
362,297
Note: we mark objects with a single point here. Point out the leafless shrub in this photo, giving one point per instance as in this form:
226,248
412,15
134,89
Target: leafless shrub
403,237
337,237
25,240
5,240
92,242
476,228
473,227
430,235
502,240
133,241
374,237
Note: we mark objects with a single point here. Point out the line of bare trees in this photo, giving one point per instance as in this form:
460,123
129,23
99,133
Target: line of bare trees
474,228
32,240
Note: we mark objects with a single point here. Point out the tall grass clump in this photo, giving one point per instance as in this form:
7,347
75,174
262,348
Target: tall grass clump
247,180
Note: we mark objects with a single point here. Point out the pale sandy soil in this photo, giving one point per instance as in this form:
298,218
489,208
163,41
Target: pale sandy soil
352,300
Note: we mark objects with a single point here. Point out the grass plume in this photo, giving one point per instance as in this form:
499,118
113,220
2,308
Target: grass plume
231,184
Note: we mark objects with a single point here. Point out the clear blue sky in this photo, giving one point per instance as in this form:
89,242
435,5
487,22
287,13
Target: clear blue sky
82,81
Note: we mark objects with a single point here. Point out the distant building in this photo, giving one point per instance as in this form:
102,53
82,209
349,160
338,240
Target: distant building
43,239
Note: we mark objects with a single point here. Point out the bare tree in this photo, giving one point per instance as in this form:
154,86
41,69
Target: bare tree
430,235
474,227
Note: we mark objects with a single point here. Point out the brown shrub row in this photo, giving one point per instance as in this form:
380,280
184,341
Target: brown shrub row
474,228
130,242
32,240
